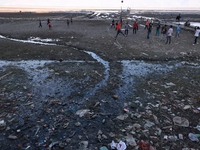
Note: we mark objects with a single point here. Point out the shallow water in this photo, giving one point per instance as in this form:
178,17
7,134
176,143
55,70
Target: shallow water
192,24
39,72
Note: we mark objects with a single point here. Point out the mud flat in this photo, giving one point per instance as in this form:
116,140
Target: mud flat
75,87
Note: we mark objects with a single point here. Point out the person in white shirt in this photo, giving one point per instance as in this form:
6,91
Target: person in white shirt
169,34
196,35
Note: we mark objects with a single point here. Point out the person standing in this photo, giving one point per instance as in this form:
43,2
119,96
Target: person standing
158,29
113,23
137,24
178,29
149,30
71,20
67,22
118,28
49,24
146,24
196,35
135,27
40,24
48,21
126,29
169,34
164,32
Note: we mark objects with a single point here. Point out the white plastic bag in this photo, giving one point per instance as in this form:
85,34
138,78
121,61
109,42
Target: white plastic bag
119,146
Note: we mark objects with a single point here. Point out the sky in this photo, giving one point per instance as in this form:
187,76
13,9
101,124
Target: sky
98,4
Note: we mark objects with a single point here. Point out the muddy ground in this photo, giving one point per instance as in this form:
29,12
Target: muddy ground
129,89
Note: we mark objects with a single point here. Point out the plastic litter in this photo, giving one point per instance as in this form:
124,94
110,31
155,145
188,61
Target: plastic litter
194,137
126,110
198,127
119,146
103,148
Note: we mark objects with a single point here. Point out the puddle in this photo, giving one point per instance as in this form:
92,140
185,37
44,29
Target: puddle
29,66
132,70
32,41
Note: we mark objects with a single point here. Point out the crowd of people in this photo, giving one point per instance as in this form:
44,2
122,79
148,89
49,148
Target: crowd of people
166,31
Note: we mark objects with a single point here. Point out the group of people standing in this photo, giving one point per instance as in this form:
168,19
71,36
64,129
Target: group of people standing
49,23
166,31
127,26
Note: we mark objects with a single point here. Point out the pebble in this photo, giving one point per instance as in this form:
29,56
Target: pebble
13,137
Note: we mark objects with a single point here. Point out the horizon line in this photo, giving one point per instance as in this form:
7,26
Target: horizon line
56,9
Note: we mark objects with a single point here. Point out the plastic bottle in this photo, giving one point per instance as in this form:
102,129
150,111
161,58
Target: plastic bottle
193,137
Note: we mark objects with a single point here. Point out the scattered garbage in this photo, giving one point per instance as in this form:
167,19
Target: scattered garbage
126,110
194,137
119,146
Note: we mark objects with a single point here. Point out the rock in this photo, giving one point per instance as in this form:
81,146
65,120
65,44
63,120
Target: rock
78,124
99,132
97,104
122,117
183,122
55,101
2,125
53,144
115,96
82,112
12,137
111,134
148,124
172,138
186,107
130,140
104,136
180,136
137,126
83,145
156,119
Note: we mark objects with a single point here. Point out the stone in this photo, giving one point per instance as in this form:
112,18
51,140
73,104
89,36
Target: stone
187,107
183,122
115,96
148,124
82,112
12,137
2,124
130,140
122,117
